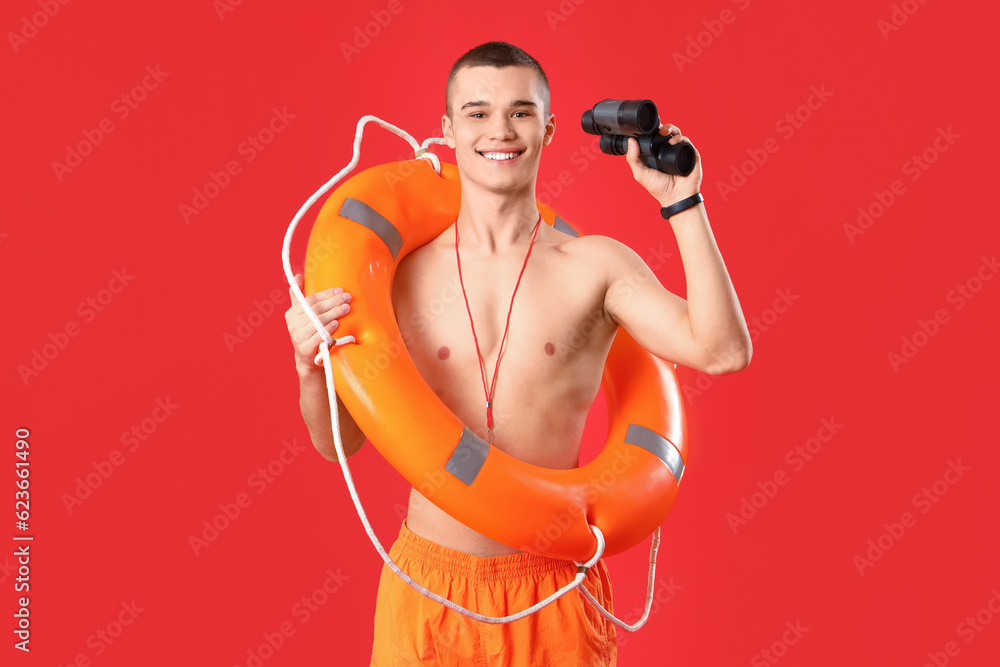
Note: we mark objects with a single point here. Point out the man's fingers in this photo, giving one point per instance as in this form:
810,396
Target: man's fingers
632,156
311,344
324,300
329,305
327,310
304,325
307,342
674,132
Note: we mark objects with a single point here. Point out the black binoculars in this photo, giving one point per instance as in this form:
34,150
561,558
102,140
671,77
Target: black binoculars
617,120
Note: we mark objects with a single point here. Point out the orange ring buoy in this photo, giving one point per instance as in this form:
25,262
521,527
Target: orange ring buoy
373,220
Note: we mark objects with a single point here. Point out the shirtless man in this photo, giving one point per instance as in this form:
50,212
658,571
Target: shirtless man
573,295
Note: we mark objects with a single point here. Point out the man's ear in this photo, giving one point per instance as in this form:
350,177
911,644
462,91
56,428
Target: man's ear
447,131
550,129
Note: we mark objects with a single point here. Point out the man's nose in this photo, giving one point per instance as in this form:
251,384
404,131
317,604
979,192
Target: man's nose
501,127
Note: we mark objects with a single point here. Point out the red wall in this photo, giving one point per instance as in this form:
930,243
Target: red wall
874,341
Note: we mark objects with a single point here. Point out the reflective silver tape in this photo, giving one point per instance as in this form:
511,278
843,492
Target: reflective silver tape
468,458
651,441
564,227
363,214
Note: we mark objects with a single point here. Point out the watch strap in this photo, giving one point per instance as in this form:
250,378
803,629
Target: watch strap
682,205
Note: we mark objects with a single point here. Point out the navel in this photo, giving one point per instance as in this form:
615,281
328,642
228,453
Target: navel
444,353
550,349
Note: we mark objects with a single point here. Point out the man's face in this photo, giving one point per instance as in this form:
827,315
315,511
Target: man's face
497,127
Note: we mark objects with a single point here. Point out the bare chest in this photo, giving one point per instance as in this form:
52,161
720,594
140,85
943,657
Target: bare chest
553,333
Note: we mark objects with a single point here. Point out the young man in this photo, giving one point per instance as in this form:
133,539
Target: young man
454,300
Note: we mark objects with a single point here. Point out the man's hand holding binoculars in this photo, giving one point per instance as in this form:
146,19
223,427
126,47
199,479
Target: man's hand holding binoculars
666,188
662,160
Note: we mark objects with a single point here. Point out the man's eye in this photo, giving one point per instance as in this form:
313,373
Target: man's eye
523,114
477,114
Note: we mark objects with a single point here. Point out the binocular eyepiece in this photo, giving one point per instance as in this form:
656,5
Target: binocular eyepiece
617,120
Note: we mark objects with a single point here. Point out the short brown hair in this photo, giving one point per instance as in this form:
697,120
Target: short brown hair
496,54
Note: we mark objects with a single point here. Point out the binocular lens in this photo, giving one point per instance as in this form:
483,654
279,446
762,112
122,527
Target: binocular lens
685,158
621,117
642,113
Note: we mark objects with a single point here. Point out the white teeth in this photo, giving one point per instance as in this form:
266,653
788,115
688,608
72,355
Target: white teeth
500,156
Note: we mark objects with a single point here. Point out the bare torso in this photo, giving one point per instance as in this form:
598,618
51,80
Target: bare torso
552,363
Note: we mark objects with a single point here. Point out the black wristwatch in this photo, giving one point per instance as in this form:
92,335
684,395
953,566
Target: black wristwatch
682,205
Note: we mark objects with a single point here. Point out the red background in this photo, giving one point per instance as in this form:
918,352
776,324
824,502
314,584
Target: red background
164,335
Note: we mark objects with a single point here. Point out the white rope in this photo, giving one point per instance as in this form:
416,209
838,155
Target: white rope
319,193
649,591
421,151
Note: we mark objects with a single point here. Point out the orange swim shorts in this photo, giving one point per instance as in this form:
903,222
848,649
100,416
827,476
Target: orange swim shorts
412,629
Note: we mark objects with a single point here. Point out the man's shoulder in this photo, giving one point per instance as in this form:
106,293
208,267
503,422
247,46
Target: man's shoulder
599,250
608,262
594,262
599,259
432,251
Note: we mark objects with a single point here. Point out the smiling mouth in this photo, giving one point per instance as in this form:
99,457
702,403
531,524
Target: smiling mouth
501,156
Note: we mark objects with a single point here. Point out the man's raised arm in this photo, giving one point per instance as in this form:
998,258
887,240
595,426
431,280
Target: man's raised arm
707,331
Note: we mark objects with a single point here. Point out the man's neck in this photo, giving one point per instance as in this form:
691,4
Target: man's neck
492,224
